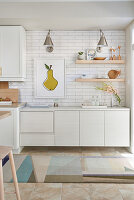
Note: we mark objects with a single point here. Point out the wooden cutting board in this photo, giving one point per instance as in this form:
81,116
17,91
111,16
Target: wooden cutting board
13,94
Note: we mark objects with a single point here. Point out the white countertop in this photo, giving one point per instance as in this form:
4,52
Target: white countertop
13,105
24,107
69,108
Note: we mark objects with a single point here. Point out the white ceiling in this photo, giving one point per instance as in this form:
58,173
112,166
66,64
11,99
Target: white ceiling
68,16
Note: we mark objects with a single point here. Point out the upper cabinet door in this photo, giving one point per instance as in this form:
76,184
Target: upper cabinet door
12,53
117,128
91,128
67,128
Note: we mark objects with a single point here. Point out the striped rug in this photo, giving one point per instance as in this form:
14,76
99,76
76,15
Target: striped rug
41,168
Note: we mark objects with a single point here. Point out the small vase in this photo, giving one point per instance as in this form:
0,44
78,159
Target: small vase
114,102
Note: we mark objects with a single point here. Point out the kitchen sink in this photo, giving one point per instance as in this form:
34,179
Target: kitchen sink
38,106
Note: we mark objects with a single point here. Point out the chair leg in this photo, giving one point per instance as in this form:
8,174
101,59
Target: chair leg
14,175
1,182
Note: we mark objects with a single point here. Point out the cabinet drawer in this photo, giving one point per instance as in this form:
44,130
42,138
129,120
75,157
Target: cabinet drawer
36,122
36,139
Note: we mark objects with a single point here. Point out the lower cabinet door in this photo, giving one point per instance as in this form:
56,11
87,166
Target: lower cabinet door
7,131
117,128
67,128
91,128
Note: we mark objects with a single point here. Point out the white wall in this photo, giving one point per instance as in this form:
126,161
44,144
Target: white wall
130,77
66,45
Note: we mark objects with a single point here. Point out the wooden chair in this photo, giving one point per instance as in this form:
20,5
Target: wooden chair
4,151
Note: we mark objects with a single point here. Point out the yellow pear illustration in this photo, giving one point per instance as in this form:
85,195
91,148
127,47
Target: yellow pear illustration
50,83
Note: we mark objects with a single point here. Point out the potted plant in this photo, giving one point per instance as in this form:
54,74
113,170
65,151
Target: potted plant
81,55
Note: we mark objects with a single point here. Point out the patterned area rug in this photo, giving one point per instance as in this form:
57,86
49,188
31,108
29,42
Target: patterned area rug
41,168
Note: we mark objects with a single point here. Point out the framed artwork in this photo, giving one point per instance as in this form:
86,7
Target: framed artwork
49,78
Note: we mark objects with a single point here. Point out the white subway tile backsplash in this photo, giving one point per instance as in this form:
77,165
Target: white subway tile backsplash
66,45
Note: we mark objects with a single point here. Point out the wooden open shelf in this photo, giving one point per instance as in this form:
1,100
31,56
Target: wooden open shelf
100,62
99,80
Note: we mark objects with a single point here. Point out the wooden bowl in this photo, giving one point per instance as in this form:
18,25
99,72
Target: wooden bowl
114,74
100,58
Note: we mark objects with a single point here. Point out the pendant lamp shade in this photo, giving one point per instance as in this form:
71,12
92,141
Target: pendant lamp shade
48,40
102,42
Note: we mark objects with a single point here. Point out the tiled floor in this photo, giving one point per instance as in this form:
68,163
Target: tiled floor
68,191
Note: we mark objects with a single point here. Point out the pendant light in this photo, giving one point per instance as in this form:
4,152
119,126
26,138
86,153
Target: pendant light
48,42
102,42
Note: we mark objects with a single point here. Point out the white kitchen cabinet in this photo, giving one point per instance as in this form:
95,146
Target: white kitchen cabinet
67,128
12,53
74,127
91,128
35,122
117,131
7,131
36,128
